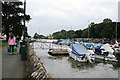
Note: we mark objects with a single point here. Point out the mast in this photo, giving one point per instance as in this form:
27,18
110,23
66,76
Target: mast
88,28
116,29
39,30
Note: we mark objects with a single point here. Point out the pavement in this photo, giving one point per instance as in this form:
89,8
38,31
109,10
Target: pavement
0,64
12,65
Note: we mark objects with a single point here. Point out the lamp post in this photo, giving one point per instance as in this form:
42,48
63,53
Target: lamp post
23,46
24,18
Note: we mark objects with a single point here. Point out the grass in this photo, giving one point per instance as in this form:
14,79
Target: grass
3,44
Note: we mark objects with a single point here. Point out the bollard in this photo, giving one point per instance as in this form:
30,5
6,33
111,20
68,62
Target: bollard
118,74
22,48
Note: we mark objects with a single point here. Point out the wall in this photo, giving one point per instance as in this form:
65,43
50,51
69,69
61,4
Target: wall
34,68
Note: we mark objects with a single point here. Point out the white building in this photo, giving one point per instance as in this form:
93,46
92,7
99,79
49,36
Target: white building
119,11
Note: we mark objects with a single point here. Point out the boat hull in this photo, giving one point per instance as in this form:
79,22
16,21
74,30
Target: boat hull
79,58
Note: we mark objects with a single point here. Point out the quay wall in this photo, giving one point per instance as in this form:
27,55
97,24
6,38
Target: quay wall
34,67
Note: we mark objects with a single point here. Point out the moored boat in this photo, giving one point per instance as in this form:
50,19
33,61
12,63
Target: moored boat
80,53
104,52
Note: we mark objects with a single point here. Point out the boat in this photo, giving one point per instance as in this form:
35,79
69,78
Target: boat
108,48
104,52
90,46
54,52
116,45
80,53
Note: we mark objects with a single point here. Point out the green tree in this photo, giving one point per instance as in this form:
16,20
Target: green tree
107,20
63,34
78,33
92,30
106,32
41,36
71,34
85,33
12,18
57,35
35,36
105,29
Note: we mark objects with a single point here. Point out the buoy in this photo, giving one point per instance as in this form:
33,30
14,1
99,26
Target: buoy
78,65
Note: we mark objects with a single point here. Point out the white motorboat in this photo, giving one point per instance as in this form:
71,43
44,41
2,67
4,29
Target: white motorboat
80,53
106,53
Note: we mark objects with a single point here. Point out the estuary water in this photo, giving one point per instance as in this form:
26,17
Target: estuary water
66,67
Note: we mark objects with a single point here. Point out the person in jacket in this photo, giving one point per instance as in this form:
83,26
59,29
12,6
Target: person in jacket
10,34
17,41
11,43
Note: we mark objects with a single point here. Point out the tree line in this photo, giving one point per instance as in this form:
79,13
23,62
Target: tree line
105,29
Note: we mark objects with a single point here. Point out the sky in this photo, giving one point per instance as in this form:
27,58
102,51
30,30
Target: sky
49,16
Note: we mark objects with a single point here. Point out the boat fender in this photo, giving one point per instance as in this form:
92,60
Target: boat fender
78,65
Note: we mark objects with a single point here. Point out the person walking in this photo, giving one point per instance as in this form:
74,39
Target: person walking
17,41
22,38
11,43
21,42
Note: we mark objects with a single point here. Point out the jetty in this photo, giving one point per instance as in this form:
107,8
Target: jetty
54,49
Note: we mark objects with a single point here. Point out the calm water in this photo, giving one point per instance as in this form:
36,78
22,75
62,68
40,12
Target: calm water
66,67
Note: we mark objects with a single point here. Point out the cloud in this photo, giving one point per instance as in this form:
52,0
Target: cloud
54,15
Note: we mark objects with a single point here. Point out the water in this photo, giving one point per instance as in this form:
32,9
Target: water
66,67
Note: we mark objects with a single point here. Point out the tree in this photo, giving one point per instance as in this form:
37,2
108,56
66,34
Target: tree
35,36
85,33
106,29
79,33
12,18
106,32
57,35
92,30
41,36
71,34
63,34
48,36
107,20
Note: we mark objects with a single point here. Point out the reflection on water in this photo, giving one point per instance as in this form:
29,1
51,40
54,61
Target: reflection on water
60,57
66,67
76,64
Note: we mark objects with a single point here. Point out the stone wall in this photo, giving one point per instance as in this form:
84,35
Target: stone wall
34,67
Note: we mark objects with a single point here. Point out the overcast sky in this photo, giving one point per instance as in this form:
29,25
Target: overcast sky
49,16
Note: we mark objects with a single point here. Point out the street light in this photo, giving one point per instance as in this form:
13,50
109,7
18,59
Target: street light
23,46
24,18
